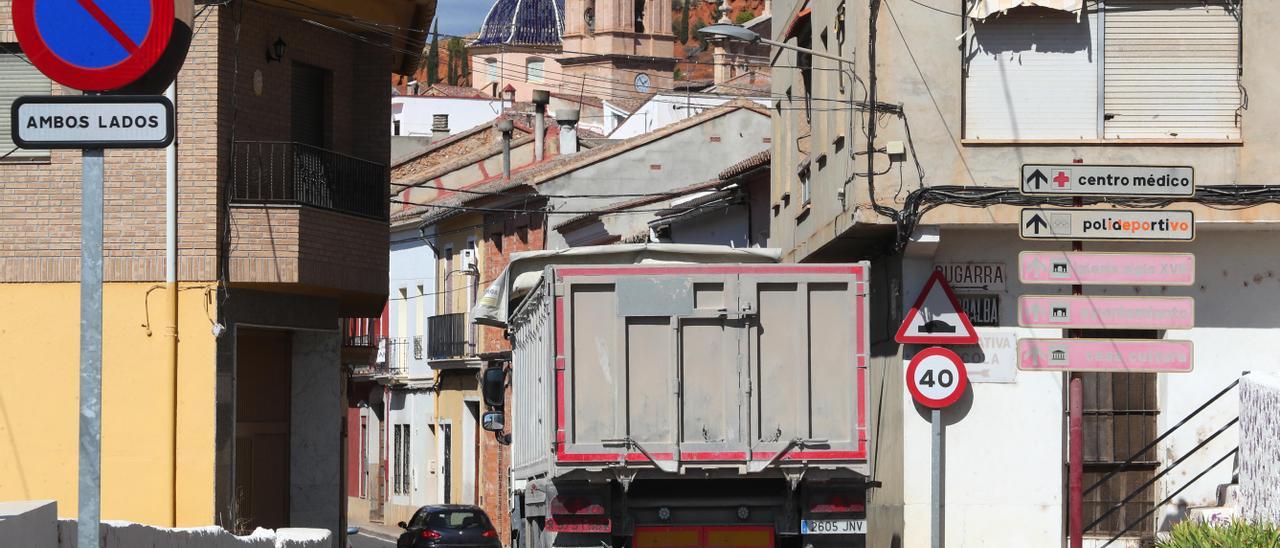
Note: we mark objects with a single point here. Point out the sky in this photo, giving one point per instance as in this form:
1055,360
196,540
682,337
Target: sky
461,17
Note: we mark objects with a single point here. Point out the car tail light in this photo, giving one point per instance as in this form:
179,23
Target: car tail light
430,535
489,534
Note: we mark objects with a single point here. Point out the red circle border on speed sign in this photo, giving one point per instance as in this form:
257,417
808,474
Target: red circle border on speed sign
961,384
107,78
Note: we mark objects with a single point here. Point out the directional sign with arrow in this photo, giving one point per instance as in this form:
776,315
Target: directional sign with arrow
1095,180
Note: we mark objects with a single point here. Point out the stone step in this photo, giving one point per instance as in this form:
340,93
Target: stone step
1229,495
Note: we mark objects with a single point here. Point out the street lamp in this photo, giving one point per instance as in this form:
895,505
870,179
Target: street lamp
724,31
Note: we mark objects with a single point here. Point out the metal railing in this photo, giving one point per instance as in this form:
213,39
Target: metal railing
294,173
388,361
1134,458
447,336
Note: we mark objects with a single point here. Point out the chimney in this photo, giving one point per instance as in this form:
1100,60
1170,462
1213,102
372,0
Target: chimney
567,119
540,99
506,126
439,125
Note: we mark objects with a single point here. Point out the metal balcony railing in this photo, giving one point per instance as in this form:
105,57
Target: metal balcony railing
294,173
447,336
388,361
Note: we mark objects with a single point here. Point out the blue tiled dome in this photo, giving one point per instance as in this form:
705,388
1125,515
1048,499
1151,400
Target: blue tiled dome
523,23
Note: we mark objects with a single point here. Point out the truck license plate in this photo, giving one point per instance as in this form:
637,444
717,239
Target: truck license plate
833,527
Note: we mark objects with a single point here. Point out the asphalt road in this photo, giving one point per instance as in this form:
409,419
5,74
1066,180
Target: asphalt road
366,541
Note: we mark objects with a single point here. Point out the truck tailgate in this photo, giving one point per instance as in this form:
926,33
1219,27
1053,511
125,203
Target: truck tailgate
706,365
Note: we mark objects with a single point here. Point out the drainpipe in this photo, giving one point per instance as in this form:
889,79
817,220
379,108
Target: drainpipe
540,99
171,287
505,126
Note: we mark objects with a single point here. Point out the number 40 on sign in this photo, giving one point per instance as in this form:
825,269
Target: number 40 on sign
936,377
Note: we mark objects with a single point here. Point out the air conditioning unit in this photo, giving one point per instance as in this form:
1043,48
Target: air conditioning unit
468,259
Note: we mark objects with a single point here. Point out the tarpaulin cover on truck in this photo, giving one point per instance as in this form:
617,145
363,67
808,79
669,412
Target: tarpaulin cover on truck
525,269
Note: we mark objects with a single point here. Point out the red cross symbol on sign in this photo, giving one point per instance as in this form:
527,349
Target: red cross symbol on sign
1061,179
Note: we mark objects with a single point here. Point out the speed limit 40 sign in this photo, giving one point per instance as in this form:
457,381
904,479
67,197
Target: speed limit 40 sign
936,377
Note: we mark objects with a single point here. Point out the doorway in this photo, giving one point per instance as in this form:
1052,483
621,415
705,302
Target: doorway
446,445
264,372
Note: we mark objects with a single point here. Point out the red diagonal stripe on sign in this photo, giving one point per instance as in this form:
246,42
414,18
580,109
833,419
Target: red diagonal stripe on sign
106,22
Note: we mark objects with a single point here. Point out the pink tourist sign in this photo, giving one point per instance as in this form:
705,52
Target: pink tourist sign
1062,267
1105,355
1080,312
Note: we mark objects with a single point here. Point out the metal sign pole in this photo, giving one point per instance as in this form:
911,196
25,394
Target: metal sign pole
1075,432
935,520
90,349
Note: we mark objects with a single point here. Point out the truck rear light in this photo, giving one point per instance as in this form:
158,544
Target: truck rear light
489,534
579,524
566,505
430,535
835,504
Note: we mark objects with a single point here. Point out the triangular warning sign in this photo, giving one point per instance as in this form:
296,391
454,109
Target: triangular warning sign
936,318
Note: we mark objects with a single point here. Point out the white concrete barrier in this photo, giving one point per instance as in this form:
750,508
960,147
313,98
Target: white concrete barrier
35,524
29,523
1259,454
123,534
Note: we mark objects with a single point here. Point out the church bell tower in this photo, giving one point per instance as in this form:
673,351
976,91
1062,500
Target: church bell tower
618,49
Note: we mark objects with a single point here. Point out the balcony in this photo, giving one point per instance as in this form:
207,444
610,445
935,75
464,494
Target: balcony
447,337
309,220
389,360
274,172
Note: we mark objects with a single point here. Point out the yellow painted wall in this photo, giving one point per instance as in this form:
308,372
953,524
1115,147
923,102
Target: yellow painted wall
456,232
453,390
39,401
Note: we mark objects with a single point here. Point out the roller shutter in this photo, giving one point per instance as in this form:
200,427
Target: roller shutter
18,78
1024,61
1171,69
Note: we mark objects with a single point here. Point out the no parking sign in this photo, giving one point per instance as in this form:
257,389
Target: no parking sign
94,45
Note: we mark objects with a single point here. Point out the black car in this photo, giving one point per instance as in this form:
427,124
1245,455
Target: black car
451,526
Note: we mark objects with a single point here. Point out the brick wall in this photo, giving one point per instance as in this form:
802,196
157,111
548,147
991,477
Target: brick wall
309,247
40,201
504,235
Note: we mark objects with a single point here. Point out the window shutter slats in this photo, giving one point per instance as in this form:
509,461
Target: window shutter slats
1171,70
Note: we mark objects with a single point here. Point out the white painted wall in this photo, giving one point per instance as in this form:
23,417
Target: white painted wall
415,112
412,275
1004,444
663,110
416,407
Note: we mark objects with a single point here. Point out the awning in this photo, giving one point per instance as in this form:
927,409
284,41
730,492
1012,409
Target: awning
985,8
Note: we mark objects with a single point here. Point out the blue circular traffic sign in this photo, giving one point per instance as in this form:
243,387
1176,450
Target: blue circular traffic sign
93,45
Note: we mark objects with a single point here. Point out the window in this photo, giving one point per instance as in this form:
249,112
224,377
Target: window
1120,417
400,479
1137,69
533,70
18,78
491,69
417,348
589,17
639,6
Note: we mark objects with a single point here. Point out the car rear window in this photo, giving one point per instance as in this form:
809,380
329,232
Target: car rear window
458,519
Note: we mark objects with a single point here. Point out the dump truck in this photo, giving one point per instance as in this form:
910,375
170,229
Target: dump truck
683,396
